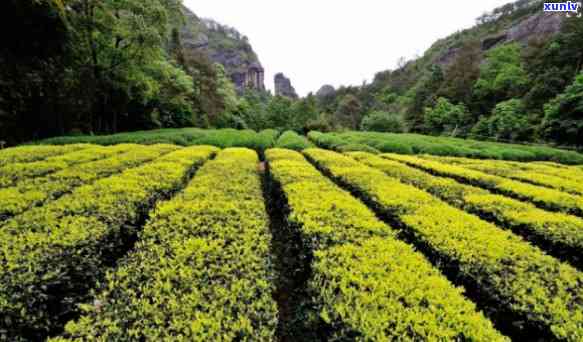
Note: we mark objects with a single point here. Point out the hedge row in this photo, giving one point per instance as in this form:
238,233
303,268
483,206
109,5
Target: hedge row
334,142
248,138
443,146
293,141
368,285
26,154
559,233
563,179
182,136
15,172
527,289
545,198
54,254
37,191
201,269
547,168
175,136
571,186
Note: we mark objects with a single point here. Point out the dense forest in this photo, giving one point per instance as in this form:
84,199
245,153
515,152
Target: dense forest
73,67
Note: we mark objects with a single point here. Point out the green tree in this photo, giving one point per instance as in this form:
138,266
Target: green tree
509,121
207,104
349,112
446,118
383,122
227,116
323,123
463,73
563,120
226,89
386,98
553,63
304,110
280,114
173,95
115,41
253,109
423,95
34,81
502,77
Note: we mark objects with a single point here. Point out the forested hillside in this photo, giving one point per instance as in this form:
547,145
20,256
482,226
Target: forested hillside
515,76
92,67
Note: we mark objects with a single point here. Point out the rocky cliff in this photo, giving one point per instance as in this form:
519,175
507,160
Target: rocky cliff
224,45
283,87
518,22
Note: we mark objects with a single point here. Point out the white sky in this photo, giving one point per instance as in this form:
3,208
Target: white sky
317,42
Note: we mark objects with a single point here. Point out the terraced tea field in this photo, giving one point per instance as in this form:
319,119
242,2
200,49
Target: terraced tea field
161,242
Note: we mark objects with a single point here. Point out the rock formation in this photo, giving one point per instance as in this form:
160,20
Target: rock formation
538,25
224,45
325,91
283,87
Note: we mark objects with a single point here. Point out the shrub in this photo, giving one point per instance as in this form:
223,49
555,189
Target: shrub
545,198
366,282
502,265
293,141
383,122
357,147
37,191
558,233
26,154
200,270
59,251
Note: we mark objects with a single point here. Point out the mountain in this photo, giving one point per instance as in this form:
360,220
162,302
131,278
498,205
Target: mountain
522,22
505,79
224,45
518,22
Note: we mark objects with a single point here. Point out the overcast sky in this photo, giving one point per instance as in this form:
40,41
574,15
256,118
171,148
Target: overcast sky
342,42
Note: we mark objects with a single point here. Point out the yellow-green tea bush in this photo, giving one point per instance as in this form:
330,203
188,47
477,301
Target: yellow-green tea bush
25,154
368,285
14,172
563,181
53,255
37,191
560,232
571,173
545,198
538,290
201,270
539,175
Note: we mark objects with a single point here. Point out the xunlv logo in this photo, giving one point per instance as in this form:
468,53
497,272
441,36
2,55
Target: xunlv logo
566,7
